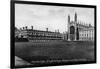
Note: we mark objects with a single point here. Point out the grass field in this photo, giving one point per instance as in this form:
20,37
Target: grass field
32,51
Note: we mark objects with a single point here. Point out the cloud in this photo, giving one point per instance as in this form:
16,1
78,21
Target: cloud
53,17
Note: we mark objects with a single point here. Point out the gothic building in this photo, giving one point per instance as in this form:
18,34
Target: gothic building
79,31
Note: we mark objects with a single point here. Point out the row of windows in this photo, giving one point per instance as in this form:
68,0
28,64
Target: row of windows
88,31
43,34
83,34
42,38
87,35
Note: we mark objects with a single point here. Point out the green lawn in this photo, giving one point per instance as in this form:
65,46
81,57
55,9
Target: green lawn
32,51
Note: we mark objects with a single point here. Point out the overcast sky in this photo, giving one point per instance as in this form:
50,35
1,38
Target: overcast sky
51,17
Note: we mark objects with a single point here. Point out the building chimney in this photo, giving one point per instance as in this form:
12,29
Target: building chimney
32,27
26,27
46,29
89,25
23,28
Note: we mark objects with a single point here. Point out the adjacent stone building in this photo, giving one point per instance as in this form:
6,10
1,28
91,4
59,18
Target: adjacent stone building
87,34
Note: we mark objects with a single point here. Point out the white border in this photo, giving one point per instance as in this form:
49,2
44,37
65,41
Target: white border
5,34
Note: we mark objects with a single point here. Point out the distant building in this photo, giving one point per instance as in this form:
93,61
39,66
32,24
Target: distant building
78,31
33,34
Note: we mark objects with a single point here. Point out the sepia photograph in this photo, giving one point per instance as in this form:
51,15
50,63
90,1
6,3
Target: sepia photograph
47,35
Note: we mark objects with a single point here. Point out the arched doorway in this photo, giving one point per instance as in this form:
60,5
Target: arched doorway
72,33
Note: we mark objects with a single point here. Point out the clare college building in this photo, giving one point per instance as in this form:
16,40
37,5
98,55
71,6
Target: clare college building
79,31
38,35
76,32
